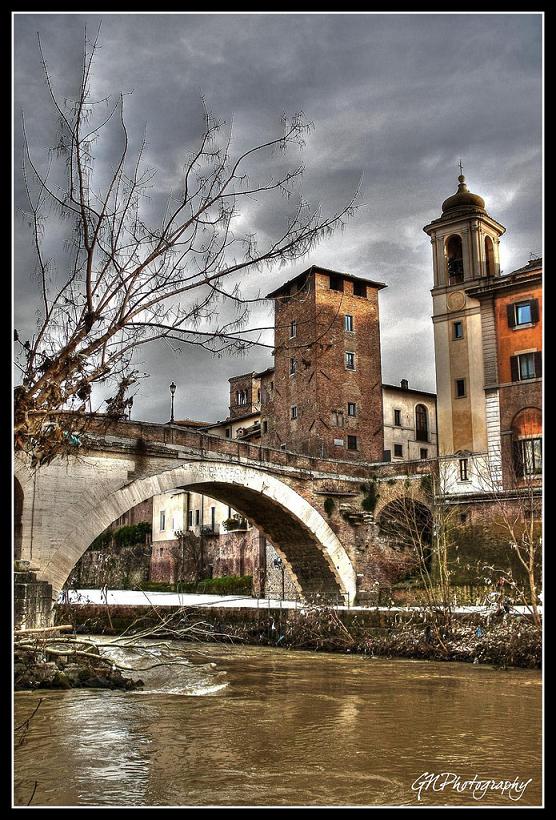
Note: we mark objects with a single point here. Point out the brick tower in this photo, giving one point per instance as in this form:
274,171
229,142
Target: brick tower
325,398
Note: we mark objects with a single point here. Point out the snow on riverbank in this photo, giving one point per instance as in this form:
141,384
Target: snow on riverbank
130,597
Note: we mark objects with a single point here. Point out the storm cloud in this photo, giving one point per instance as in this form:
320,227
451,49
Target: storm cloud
396,100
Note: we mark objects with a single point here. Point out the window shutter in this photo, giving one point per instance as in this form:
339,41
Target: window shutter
515,368
518,461
538,365
511,316
534,310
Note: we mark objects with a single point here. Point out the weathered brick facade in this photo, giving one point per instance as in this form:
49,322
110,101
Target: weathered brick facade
326,398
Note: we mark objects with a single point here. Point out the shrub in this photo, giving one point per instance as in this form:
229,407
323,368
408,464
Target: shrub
133,534
371,497
329,506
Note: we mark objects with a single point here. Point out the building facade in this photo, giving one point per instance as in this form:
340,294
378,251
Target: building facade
324,397
511,308
409,423
488,352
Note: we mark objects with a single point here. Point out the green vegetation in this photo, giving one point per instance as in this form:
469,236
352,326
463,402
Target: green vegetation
226,585
371,496
126,536
234,524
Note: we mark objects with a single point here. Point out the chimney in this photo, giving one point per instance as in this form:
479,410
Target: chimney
404,384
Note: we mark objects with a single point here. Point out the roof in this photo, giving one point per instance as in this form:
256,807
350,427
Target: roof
530,272
408,390
266,372
230,420
317,268
191,423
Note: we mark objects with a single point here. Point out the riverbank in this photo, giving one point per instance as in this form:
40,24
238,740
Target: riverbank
503,641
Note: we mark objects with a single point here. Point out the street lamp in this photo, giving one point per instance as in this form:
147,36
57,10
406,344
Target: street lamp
172,391
279,564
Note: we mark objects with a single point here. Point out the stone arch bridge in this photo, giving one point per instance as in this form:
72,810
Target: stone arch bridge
62,507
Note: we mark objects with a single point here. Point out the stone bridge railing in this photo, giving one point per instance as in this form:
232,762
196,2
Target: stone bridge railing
149,434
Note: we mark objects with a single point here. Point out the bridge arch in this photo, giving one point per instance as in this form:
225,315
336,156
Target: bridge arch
310,549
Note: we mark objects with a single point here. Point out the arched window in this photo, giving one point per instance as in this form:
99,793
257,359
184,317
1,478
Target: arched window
489,256
454,259
421,423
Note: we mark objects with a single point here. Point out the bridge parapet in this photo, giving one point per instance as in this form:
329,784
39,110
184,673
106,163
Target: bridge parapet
170,436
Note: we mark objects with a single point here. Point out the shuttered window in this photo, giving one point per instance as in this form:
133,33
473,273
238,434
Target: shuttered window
523,313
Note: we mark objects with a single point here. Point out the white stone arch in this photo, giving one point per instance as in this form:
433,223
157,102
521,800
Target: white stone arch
107,508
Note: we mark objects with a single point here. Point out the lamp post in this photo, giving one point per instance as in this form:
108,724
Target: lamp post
172,391
279,564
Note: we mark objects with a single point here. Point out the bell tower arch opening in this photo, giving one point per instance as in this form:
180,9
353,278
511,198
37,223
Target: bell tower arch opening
454,259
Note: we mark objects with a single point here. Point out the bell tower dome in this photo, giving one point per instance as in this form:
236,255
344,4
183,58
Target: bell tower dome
465,247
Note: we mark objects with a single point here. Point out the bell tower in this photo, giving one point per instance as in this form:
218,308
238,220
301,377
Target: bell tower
465,248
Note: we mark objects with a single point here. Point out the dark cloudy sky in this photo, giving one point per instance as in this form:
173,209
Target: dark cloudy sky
396,100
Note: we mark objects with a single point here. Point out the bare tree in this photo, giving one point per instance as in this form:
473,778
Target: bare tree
421,521
187,556
132,276
516,520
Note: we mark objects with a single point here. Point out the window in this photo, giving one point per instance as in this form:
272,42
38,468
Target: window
421,423
197,518
424,452
524,313
228,432
352,408
337,283
350,361
282,446
293,367
460,388
348,322
352,442
387,455
162,520
265,426
337,418
293,329
526,366
360,289
294,411
398,418
529,460
458,330
241,397
463,465
258,394
398,450
190,518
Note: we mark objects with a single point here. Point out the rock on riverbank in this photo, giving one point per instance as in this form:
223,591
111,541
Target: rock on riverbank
32,672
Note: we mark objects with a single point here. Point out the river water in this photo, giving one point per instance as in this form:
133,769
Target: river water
260,726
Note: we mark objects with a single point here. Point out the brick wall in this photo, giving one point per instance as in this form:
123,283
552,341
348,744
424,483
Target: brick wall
321,387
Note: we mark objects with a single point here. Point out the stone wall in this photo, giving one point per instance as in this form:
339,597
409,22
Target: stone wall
32,599
125,568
